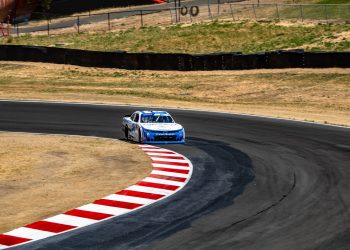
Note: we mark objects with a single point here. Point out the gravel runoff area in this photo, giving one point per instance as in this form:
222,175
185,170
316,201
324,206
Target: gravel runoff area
44,175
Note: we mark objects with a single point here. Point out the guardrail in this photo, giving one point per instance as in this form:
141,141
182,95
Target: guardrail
169,61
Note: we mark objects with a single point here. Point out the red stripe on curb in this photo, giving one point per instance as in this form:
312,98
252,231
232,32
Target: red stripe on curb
50,226
140,194
157,185
120,204
165,177
168,157
8,240
88,214
160,152
183,164
172,170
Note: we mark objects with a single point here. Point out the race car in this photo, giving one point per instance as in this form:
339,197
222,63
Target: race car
152,127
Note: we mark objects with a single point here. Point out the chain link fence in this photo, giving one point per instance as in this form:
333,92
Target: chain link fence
45,24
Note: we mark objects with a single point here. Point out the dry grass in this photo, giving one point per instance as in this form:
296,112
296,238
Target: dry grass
42,175
321,95
228,36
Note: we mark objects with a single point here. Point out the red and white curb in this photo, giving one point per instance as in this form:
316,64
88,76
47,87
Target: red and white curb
171,172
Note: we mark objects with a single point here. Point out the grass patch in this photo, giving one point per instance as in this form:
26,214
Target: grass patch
247,37
333,2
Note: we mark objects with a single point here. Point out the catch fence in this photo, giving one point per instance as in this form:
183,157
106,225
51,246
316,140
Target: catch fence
48,24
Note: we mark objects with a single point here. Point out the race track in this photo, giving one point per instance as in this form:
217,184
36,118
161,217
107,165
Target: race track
258,183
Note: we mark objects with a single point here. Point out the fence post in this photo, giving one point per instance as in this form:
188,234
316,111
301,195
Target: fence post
218,7
141,18
325,13
78,24
277,12
48,25
301,13
233,17
171,16
17,29
109,21
176,12
209,11
254,11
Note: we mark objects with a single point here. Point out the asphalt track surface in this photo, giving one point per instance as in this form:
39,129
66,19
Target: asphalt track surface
258,183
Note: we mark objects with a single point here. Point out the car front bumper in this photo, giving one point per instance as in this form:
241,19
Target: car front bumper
163,137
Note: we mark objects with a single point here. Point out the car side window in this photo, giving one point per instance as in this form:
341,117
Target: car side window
136,118
132,116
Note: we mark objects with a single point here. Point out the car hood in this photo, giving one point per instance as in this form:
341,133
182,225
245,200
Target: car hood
162,126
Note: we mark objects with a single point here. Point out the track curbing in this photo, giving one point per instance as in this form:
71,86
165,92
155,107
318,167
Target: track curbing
171,172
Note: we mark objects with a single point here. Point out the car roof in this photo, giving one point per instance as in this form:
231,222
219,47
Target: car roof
154,112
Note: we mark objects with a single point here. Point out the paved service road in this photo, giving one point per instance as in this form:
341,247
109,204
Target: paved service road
258,183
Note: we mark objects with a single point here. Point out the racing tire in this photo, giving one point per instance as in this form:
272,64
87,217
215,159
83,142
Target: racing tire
184,11
126,133
140,140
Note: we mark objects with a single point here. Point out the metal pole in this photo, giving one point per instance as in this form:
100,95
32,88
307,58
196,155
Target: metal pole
278,14
48,25
209,11
233,17
17,29
301,13
141,18
218,7
109,21
175,3
171,16
325,12
179,10
254,11
78,24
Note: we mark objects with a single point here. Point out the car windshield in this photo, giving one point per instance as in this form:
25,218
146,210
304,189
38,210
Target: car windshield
150,118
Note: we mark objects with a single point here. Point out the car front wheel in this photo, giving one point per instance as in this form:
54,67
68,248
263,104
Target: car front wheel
140,137
126,133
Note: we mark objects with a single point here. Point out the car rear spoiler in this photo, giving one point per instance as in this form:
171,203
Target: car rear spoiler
127,115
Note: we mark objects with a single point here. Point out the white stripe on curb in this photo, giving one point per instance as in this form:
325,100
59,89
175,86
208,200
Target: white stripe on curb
125,198
70,220
171,173
150,190
29,233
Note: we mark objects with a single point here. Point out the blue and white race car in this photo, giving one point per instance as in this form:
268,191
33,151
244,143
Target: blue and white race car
152,127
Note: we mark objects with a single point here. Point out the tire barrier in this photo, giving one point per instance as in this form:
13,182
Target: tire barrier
176,61
184,11
194,11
